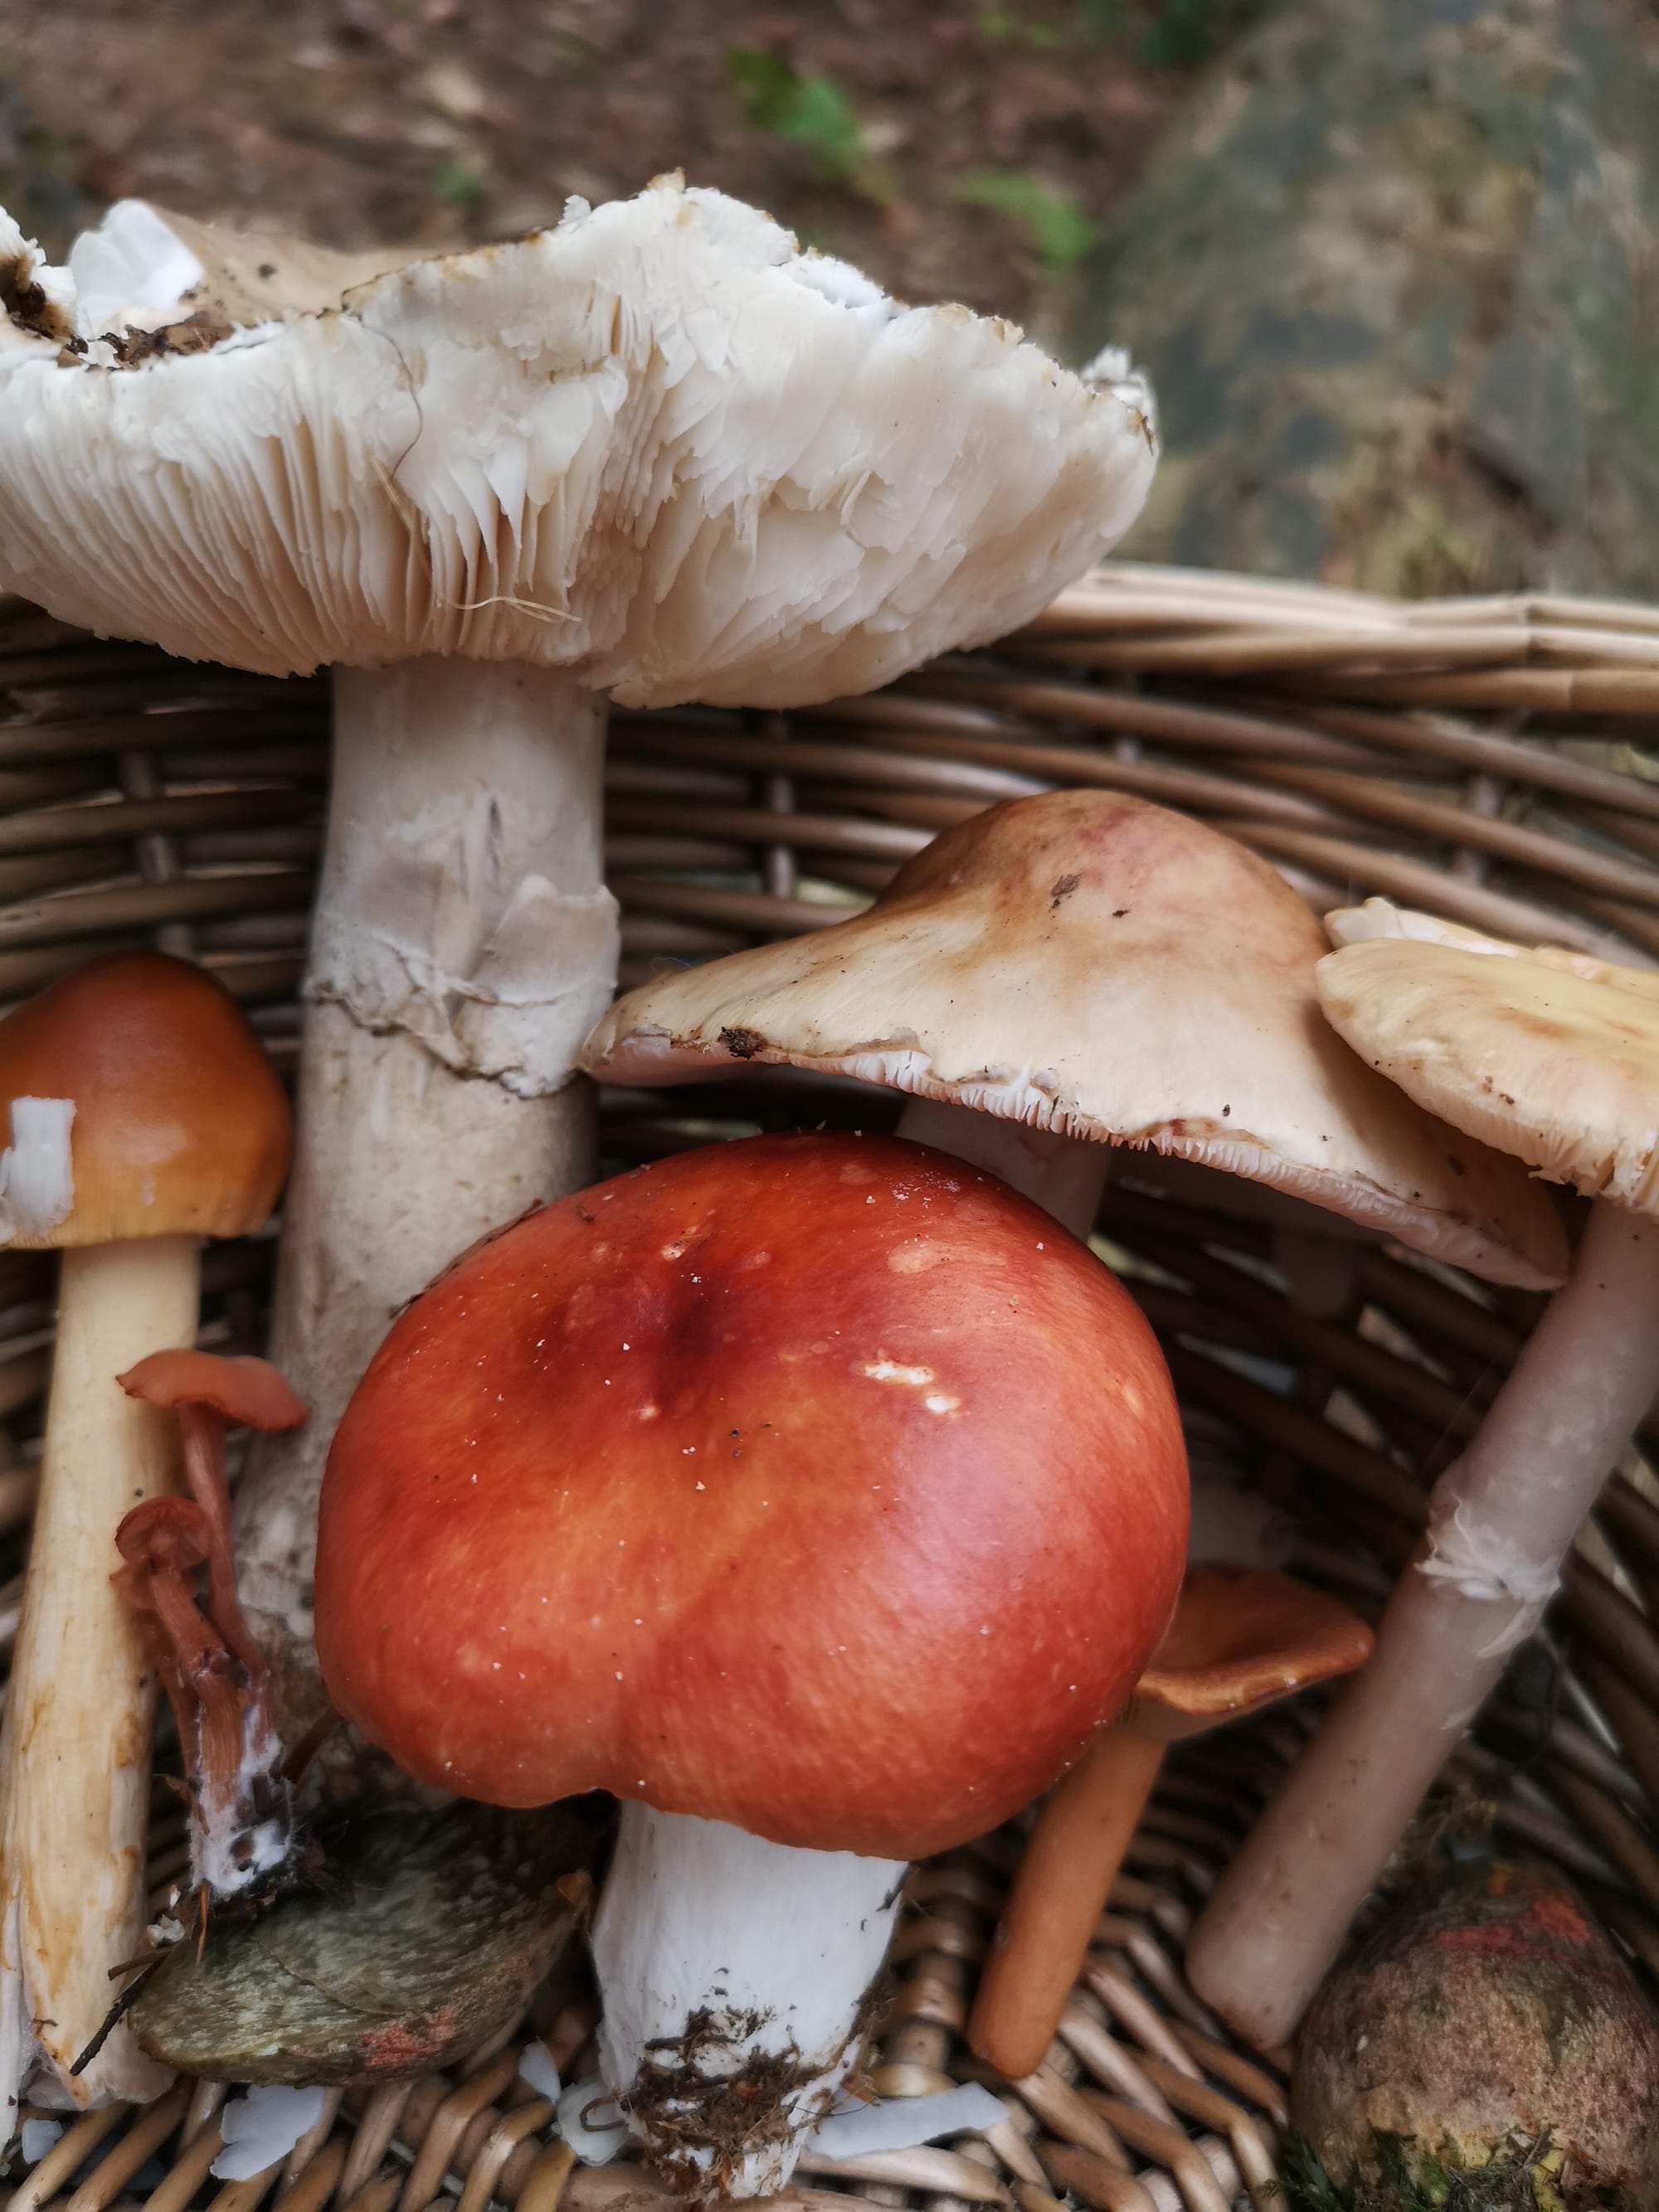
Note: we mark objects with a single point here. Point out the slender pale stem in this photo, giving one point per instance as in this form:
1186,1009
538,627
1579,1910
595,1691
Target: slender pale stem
76,1743
1065,1176
1059,1891
463,944
1501,1520
734,1974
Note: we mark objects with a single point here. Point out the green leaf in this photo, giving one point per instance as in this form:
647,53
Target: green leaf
1188,31
812,113
1006,26
1057,227
456,186
1102,19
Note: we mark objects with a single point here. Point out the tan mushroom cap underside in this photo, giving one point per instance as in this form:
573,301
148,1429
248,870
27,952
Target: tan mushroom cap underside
1087,963
1557,1066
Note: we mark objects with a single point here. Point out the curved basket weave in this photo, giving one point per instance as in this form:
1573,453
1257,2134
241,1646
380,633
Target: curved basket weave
1497,761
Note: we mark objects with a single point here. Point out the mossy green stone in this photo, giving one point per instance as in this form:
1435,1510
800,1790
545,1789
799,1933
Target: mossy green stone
1394,269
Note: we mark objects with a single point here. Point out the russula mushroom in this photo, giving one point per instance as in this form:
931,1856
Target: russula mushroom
1087,971
240,1802
656,452
144,1116
810,1494
1241,1638
1560,1067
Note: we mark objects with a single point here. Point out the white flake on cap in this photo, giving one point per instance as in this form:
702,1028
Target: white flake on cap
131,268
37,1180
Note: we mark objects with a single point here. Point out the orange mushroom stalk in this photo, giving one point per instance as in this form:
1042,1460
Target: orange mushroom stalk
1241,1639
241,1802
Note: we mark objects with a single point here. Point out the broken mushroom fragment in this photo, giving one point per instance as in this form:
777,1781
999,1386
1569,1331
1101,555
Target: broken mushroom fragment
144,1116
810,1494
656,452
1559,1068
1241,1638
425,1935
242,1804
1085,970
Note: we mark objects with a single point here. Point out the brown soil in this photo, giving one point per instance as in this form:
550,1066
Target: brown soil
868,125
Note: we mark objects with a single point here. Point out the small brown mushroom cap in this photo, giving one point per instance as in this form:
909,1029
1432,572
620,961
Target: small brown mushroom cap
1084,963
1241,1638
175,1120
250,1392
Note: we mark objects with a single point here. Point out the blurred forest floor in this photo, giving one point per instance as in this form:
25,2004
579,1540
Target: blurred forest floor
957,149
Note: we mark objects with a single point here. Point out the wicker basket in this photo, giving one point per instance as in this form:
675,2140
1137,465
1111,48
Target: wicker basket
1497,761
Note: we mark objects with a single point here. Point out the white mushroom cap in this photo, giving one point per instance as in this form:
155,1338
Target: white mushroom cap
659,445
1084,963
1547,1054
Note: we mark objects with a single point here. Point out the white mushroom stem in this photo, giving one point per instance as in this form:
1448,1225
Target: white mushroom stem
1065,1176
463,944
76,1747
1501,1521
734,1974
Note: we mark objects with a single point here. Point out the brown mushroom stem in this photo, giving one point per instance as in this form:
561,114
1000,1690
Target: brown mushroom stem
1059,1891
77,1791
1501,1520
1065,1176
463,945
241,1804
241,1801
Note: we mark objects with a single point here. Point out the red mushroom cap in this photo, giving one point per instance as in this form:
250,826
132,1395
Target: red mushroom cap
817,1485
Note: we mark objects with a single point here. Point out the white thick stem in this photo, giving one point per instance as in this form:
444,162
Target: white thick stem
76,1743
1065,1176
463,944
1501,1521
734,1974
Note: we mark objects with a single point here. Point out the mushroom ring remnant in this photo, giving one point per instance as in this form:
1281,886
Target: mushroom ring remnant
1554,1058
814,1494
656,452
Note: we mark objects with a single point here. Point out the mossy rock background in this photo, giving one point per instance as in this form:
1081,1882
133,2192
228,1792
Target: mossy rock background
1394,270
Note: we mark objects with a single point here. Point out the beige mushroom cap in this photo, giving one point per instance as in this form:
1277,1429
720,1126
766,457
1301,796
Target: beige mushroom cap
1085,963
1381,917
1545,1055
